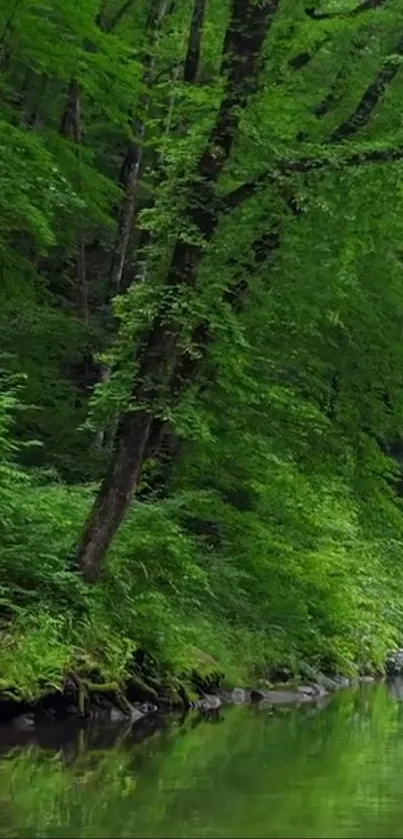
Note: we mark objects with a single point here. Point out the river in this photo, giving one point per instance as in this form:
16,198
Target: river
331,772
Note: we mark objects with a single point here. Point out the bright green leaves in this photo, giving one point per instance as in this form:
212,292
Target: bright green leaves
32,188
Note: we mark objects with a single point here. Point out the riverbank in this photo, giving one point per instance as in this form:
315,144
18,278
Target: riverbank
147,696
170,622
201,592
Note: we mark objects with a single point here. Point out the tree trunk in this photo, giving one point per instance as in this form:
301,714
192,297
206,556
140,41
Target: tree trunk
193,51
70,125
134,159
116,492
71,128
131,175
82,278
160,348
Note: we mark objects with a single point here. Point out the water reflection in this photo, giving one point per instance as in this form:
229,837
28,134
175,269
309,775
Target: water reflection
396,688
331,772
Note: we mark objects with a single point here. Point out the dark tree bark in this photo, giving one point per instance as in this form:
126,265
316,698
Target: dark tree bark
160,350
70,125
193,51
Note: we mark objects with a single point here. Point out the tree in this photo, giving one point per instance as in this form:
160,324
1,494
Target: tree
161,346
243,42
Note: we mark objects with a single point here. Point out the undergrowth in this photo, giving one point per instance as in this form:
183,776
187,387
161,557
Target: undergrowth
261,593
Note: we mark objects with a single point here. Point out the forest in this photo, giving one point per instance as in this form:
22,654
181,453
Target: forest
201,340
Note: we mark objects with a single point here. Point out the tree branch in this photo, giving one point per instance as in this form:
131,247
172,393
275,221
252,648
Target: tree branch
303,165
363,158
10,21
303,58
370,99
160,354
335,94
366,6
109,26
357,120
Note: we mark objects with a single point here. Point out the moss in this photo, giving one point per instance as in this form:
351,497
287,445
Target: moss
188,694
94,687
144,690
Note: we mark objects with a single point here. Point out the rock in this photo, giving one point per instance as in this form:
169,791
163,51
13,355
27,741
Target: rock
208,703
313,690
342,681
394,663
148,708
116,715
280,697
318,677
280,674
239,696
135,714
25,722
257,695
396,688
366,680
321,691
309,690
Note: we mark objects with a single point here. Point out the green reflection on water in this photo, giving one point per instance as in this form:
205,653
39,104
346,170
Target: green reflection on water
337,772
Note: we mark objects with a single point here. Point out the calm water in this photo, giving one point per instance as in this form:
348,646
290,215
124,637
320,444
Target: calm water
337,772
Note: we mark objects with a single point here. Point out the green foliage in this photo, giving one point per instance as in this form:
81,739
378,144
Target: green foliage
281,570
276,533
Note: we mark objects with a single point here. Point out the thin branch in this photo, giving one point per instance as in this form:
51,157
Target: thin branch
335,93
118,16
370,99
366,6
363,158
10,21
99,20
304,165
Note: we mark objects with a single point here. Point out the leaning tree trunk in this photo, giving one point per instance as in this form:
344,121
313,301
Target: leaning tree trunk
115,493
160,351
